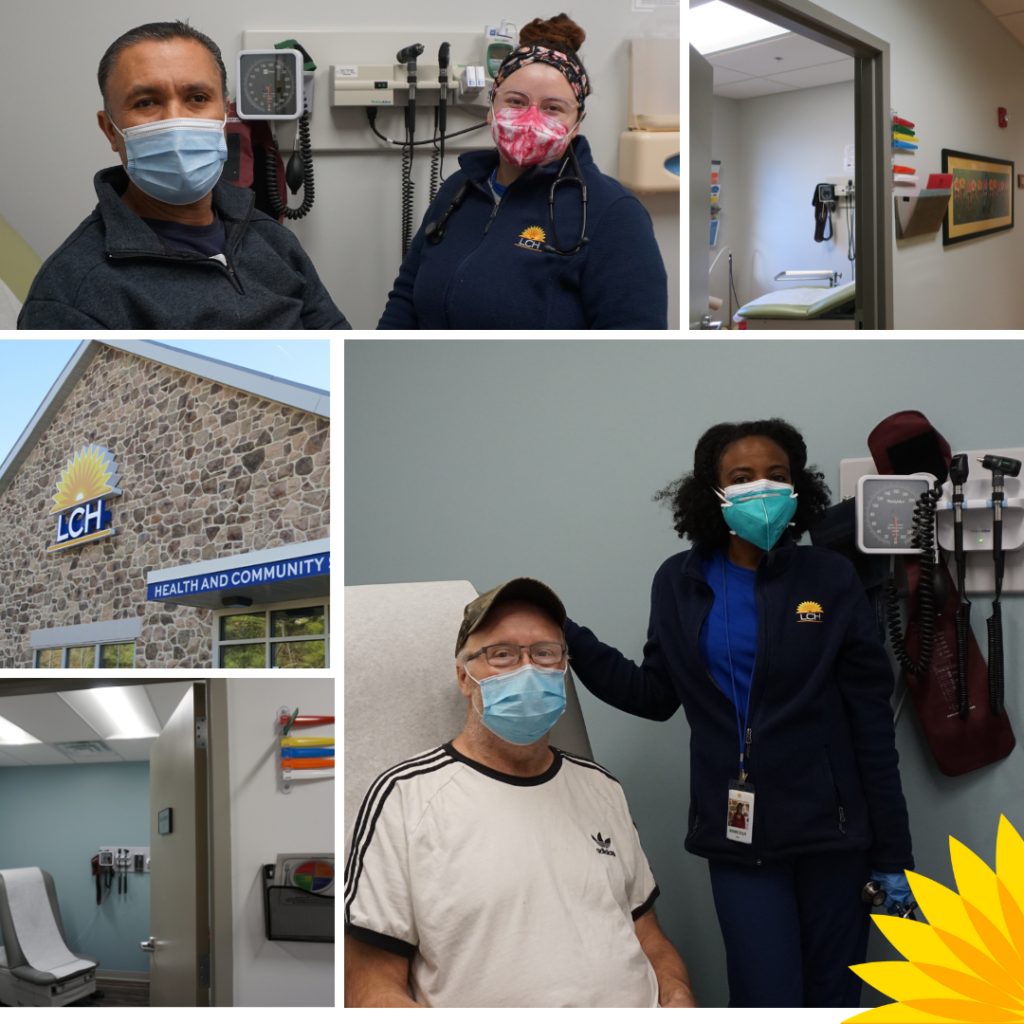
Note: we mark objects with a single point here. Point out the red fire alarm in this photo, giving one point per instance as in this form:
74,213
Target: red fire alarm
1004,119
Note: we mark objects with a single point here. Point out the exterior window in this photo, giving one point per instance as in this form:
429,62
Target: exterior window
278,637
82,657
117,656
93,656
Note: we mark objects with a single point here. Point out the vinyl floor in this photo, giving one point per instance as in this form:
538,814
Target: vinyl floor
118,993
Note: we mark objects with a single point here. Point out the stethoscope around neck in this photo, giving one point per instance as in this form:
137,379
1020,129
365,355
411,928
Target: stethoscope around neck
436,230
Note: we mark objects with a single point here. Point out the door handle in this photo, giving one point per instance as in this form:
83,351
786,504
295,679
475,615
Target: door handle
149,946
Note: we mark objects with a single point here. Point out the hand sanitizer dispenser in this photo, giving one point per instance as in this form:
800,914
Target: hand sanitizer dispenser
649,150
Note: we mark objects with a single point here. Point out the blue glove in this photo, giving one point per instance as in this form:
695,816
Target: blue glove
896,886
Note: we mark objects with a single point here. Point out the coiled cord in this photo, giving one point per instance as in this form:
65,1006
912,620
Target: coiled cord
282,209
408,196
435,172
923,537
995,659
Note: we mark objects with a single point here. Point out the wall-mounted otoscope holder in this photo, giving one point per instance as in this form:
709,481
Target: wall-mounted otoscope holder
977,518
978,521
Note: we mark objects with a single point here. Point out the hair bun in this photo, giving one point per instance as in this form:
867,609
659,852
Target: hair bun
561,30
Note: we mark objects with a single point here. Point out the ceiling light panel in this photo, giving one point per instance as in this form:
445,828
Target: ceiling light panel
718,26
13,735
116,712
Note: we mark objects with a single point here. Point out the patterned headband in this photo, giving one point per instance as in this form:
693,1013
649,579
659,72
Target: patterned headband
574,74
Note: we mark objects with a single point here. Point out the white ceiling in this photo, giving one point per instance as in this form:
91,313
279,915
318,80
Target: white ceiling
790,62
782,64
51,720
1010,14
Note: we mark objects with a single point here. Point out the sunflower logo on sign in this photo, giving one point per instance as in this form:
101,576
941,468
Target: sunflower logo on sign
532,237
965,964
91,473
80,503
809,611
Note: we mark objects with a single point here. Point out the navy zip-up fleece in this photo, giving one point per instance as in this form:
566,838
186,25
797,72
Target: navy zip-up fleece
115,272
484,275
823,760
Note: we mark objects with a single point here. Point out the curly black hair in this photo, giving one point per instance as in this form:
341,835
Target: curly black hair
697,509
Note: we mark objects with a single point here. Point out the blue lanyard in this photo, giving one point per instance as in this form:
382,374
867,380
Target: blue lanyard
741,729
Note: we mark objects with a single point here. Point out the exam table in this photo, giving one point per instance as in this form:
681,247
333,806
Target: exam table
36,966
808,307
18,266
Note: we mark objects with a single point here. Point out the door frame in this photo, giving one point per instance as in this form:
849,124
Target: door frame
873,208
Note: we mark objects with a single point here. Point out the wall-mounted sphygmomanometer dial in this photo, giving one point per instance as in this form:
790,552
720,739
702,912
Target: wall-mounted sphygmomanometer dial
269,85
885,512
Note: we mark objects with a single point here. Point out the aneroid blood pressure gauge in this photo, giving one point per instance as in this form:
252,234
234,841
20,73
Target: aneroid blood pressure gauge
885,513
269,85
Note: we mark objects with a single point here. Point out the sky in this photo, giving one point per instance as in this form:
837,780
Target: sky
31,367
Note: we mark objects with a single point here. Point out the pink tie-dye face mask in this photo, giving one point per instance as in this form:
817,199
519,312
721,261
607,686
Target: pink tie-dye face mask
528,137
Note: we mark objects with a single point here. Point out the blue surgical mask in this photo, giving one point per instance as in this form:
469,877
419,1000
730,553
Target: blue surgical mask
522,705
177,160
758,511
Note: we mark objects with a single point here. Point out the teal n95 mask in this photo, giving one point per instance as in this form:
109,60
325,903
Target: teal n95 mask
177,160
758,511
522,705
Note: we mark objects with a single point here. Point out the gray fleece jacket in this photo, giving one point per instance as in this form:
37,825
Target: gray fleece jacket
115,273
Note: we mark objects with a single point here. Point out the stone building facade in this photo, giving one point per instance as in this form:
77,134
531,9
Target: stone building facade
208,471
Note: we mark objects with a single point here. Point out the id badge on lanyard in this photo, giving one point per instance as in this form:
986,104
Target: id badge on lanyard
739,824
740,821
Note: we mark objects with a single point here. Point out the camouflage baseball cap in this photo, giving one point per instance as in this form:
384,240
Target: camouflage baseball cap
523,588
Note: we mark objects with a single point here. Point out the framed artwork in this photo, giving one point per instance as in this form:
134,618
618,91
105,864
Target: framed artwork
982,199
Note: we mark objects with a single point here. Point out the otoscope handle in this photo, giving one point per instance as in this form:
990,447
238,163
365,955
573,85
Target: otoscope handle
963,636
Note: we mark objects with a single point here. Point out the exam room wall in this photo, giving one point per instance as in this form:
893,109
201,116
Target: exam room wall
625,428
781,146
266,822
56,817
952,66
353,232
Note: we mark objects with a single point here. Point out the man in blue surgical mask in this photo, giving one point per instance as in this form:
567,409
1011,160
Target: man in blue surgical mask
169,246
496,870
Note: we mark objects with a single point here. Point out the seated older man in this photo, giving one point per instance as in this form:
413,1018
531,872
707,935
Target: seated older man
495,870
169,245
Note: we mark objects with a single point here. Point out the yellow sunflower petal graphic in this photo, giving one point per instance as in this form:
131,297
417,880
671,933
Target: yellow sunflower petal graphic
535,233
967,963
808,606
90,474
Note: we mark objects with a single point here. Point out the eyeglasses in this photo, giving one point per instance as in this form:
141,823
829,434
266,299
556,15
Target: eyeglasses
546,655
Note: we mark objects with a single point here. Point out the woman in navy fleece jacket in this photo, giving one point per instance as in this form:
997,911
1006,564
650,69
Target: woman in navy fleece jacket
775,658
491,271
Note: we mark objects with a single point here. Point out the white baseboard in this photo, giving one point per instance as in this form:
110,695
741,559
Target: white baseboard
142,976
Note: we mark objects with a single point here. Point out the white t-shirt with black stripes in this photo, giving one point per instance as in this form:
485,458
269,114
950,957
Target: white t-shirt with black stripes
503,891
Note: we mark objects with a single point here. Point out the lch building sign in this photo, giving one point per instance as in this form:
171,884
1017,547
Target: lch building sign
80,503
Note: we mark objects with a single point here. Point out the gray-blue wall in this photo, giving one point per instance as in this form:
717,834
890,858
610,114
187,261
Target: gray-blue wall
484,460
56,817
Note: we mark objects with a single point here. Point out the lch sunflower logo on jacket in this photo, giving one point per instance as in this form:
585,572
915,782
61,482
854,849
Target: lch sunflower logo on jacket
809,611
89,479
532,238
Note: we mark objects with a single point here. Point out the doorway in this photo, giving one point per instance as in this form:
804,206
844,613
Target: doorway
818,38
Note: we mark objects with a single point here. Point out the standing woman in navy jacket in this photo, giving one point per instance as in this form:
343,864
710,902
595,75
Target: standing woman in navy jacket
492,263
773,652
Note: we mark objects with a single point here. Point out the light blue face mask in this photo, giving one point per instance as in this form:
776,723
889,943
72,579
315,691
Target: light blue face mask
177,160
522,705
758,511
